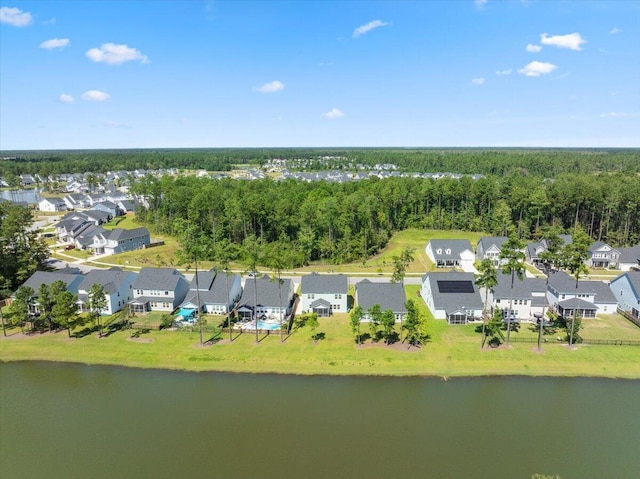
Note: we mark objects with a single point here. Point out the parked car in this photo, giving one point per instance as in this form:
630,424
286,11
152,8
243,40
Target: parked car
70,246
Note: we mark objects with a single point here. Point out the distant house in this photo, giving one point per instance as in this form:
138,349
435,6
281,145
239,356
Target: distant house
626,290
273,300
324,294
158,289
452,296
629,258
602,256
120,240
76,200
528,299
126,206
590,298
216,291
489,247
52,205
108,207
533,250
389,296
117,285
451,253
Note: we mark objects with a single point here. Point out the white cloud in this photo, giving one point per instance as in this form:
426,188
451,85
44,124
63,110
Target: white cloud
478,81
64,98
333,114
535,69
572,41
361,30
533,48
480,3
114,54
614,114
504,72
54,43
15,17
94,95
270,87
615,30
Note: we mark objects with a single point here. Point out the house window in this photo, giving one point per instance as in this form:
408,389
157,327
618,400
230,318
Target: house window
166,293
311,296
337,296
439,251
448,250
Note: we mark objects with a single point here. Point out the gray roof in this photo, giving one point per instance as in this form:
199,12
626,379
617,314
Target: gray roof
268,292
456,247
454,301
110,279
47,277
532,249
320,303
158,279
630,255
325,283
563,283
119,234
576,303
488,241
387,295
634,279
521,289
212,288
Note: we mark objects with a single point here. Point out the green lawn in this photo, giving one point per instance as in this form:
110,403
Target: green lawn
451,351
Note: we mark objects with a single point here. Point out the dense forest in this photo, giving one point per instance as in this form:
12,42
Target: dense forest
351,221
546,162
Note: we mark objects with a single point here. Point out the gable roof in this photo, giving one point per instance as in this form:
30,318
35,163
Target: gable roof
452,299
630,255
158,279
387,295
110,279
455,247
212,288
324,283
47,277
268,292
634,280
488,241
120,234
521,289
563,283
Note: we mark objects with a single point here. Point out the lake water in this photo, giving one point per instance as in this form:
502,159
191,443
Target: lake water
75,421
29,196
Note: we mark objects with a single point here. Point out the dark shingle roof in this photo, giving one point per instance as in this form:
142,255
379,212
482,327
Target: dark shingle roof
521,289
454,301
48,277
563,283
488,241
630,255
120,234
454,246
213,288
387,295
325,283
158,279
268,292
110,279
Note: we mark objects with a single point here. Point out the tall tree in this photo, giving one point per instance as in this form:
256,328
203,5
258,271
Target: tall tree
375,316
192,243
97,304
487,279
311,322
413,323
64,311
252,255
511,251
19,307
574,256
225,252
387,320
355,317
45,303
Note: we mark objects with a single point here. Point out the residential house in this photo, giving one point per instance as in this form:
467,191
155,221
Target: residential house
324,294
216,291
52,205
626,290
72,282
453,296
158,289
389,296
451,253
126,206
589,298
533,250
84,238
274,301
527,300
108,207
27,180
117,285
76,200
629,258
120,240
601,255
489,247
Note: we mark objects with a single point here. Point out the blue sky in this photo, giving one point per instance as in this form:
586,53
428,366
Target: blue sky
145,74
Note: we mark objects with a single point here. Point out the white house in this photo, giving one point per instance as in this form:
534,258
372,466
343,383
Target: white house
453,296
629,258
527,300
489,247
274,300
589,298
389,296
216,291
158,289
451,253
52,205
602,256
324,294
117,285
120,240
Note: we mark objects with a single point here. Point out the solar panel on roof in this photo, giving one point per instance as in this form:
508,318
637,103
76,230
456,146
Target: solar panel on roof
455,286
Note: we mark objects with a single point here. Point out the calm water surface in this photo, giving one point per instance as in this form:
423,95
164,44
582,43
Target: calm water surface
29,196
74,421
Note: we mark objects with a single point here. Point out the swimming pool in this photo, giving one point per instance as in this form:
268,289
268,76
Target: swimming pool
266,325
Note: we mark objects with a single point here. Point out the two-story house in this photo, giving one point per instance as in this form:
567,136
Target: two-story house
324,294
453,296
451,253
269,299
626,289
117,286
158,289
120,240
601,255
589,298
216,292
389,296
527,300
489,247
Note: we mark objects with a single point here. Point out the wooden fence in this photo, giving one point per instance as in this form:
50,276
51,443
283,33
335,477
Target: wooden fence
627,315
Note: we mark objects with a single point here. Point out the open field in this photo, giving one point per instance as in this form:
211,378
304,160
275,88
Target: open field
451,351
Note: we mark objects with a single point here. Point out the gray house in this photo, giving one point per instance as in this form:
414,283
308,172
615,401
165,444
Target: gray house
120,240
590,298
602,256
117,285
629,258
72,281
452,296
386,295
216,290
158,289
273,301
528,298
324,294
626,289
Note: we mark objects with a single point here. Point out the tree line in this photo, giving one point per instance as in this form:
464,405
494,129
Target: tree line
348,222
544,162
